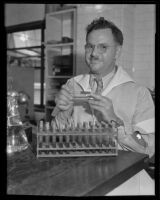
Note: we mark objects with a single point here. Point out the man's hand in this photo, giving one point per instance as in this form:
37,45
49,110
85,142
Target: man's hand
104,106
64,99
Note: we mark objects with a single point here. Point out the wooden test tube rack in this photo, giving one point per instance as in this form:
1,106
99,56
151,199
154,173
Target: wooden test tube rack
83,140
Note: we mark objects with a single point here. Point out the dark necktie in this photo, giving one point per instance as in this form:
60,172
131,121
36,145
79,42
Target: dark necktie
99,85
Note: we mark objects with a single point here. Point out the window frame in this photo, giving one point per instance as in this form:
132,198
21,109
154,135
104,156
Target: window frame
26,27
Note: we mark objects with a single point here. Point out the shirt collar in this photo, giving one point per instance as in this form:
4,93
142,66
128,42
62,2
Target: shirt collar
120,77
83,81
106,79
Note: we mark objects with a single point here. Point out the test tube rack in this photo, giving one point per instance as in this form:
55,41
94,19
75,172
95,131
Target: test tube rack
85,140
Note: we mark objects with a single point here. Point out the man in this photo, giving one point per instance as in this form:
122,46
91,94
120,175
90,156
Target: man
119,100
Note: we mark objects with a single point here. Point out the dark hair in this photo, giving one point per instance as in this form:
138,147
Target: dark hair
101,23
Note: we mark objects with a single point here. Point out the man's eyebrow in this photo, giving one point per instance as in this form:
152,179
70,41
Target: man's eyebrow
104,44
99,43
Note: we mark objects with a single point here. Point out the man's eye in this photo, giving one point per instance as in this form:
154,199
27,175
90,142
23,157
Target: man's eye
103,47
90,46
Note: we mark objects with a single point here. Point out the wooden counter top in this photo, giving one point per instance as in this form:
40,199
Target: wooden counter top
80,176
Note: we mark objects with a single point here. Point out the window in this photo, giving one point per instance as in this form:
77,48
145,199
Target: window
25,48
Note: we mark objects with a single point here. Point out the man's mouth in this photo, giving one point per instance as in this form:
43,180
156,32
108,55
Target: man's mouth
94,58
94,61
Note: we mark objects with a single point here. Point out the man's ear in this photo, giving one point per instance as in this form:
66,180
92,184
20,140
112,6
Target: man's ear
118,51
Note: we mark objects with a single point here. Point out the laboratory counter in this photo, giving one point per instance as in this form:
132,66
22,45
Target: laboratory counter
70,176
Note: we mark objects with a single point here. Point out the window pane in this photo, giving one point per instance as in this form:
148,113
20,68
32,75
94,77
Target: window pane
25,57
10,41
14,54
37,87
28,52
37,93
24,39
44,96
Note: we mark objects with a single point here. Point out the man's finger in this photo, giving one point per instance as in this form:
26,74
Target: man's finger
100,98
97,103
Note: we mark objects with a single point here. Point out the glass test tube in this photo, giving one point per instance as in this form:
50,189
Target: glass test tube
40,137
92,137
86,137
47,137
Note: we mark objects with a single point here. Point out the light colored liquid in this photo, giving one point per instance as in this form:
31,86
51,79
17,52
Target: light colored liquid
16,139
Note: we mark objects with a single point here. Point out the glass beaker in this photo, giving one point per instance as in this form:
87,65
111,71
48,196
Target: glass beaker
16,139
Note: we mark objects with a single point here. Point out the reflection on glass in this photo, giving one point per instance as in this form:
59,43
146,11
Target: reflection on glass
24,49
24,39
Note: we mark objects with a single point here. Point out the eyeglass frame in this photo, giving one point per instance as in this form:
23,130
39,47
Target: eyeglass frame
92,47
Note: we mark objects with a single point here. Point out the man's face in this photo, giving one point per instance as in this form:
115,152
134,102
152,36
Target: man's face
102,60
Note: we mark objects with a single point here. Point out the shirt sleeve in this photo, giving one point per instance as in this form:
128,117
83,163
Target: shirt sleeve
63,118
144,115
142,122
144,119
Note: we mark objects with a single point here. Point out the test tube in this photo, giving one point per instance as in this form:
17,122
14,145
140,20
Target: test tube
40,137
98,135
92,137
61,138
67,138
91,126
72,141
57,138
78,130
86,137
111,143
41,131
75,131
53,125
47,127
61,135
105,139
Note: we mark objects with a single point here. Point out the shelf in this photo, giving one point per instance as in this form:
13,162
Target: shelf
58,45
59,76
60,52
60,12
50,107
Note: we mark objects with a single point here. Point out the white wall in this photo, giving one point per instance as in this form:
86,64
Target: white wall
127,56
23,13
144,50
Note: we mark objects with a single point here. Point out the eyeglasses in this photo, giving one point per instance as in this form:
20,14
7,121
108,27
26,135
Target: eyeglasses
101,48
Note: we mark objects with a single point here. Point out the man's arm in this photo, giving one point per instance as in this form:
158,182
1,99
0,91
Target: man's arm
62,113
142,138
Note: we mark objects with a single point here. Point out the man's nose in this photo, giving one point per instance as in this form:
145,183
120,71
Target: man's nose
94,50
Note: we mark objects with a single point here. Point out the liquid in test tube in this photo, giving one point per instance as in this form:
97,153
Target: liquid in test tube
47,137
40,137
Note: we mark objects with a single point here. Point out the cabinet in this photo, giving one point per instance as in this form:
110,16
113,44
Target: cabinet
60,51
